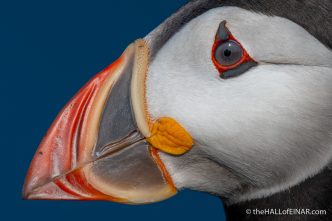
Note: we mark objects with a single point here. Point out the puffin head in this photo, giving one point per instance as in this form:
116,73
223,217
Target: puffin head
227,97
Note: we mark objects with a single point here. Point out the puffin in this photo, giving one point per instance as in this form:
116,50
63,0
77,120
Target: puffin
228,97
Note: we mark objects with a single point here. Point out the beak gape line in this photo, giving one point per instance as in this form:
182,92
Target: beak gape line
104,145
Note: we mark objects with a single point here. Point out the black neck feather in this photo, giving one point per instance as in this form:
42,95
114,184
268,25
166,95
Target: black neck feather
313,194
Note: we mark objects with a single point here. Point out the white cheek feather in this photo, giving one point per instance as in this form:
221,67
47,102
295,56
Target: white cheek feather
272,125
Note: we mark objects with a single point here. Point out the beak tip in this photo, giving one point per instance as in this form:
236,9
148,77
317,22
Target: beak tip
25,196
25,192
48,191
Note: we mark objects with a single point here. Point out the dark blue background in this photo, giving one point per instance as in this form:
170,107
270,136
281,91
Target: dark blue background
48,50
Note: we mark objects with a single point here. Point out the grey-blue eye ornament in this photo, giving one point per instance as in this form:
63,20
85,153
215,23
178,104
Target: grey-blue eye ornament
228,55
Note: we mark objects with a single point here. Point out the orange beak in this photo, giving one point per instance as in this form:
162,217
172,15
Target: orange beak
96,148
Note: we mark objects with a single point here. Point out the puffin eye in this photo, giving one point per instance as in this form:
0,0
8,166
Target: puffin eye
228,53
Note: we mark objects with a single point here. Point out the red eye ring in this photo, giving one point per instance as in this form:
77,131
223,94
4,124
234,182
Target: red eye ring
223,36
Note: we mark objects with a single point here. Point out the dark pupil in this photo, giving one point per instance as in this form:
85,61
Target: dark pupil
227,53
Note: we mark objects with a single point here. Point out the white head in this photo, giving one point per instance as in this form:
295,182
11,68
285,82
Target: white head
256,134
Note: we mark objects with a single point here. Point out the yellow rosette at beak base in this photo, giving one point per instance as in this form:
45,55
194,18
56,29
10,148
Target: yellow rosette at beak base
170,137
